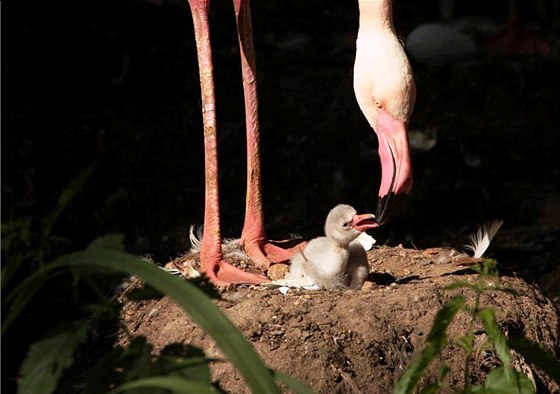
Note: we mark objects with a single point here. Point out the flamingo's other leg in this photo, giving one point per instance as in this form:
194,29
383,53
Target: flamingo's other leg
253,238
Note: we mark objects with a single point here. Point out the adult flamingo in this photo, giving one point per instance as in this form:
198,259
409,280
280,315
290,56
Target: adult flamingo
386,118
385,90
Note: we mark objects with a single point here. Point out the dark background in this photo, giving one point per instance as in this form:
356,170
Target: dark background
117,82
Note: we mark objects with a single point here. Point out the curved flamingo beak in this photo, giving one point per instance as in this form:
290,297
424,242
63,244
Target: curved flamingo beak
364,222
396,169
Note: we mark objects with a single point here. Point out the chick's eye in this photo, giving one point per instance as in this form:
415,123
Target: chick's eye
346,224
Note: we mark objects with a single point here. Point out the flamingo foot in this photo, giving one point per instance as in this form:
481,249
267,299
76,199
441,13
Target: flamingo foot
266,252
223,274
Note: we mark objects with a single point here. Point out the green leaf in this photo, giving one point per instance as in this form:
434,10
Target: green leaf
47,359
65,198
537,355
434,387
435,342
501,381
20,297
174,383
110,241
466,342
143,293
186,361
121,366
26,290
105,373
204,284
489,268
193,300
496,335
136,360
16,242
500,378
476,268
460,284
443,319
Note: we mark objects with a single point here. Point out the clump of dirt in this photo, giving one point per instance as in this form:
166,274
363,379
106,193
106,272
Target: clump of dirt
360,341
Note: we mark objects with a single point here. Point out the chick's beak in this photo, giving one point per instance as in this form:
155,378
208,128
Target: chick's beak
364,222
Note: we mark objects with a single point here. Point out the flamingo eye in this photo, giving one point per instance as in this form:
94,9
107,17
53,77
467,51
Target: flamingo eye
346,224
378,103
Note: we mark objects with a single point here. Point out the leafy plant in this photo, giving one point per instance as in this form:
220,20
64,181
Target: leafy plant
504,379
47,359
178,365
178,368
27,246
102,255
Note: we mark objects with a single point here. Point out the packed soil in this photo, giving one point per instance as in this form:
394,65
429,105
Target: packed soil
360,341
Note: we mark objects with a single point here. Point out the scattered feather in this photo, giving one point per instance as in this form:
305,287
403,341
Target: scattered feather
284,289
172,271
195,236
366,240
480,240
284,285
231,247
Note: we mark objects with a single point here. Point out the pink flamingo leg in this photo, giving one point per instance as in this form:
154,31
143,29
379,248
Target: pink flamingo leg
215,267
261,251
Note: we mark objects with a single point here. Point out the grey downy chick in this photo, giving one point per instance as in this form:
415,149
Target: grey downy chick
336,260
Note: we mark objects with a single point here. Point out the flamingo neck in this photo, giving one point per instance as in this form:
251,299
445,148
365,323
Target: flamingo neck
376,14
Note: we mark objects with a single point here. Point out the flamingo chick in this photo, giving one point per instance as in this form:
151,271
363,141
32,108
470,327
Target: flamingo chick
385,91
336,260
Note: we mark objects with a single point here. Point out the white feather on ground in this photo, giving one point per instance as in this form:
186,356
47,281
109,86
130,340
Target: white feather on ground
480,239
366,240
231,248
196,239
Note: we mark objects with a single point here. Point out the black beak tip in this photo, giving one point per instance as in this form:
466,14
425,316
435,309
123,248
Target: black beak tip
387,205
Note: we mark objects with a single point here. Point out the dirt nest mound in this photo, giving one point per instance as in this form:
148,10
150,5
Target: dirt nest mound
360,341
